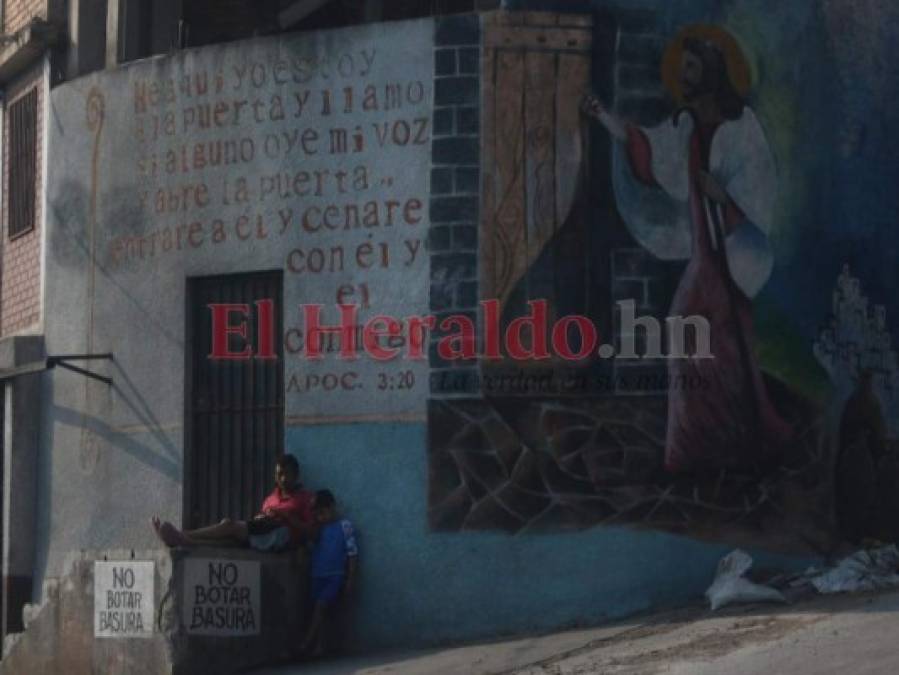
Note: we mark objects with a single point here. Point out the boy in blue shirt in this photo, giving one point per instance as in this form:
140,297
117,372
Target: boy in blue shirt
333,567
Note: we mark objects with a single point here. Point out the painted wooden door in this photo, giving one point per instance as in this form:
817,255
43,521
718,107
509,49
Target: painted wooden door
536,71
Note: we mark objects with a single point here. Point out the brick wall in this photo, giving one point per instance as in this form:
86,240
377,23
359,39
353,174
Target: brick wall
20,302
639,277
639,95
635,274
18,13
455,188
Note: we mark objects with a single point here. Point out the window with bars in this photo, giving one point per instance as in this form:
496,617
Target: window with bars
22,163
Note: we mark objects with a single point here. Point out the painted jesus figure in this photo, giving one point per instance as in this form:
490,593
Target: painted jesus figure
701,186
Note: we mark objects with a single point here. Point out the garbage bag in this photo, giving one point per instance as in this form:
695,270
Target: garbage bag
865,570
731,587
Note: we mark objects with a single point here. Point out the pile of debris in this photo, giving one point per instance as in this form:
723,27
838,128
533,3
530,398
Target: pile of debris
865,570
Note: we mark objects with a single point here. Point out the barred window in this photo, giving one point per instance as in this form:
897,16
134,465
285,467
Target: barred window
22,163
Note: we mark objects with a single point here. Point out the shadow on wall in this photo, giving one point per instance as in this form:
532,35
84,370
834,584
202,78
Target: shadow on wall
101,436
70,245
69,249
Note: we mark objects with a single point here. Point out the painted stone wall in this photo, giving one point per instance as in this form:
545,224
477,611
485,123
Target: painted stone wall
574,218
689,187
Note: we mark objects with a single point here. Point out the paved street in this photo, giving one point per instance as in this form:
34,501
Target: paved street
856,634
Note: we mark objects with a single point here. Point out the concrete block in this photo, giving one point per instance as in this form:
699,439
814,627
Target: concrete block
467,294
636,21
470,315
20,350
456,151
465,238
9,642
60,635
469,60
450,266
468,120
637,78
462,29
468,179
445,62
439,238
454,209
640,49
435,360
443,121
456,90
441,181
442,296
29,612
49,590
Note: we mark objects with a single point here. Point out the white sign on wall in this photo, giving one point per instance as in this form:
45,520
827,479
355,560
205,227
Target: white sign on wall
222,597
123,599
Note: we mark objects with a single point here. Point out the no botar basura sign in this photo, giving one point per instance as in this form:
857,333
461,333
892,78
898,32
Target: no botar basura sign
123,599
222,597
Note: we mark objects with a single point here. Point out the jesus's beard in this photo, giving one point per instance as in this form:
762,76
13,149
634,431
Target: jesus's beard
691,91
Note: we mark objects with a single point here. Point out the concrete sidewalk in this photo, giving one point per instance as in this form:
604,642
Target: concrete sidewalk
483,658
826,635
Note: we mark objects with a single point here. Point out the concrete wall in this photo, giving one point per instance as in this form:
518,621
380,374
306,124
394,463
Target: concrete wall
60,635
437,587
480,511
114,200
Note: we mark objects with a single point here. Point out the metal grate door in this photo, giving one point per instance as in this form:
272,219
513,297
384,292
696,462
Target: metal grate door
235,408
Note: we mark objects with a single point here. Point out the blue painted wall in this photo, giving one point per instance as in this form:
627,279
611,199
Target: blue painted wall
418,587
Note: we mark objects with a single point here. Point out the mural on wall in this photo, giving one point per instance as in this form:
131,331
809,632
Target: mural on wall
855,346
651,184
705,190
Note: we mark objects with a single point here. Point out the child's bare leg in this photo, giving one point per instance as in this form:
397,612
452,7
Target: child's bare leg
224,532
227,529
314,630
318,646
169,534
216,543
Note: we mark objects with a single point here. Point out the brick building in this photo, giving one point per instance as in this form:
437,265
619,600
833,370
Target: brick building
31,31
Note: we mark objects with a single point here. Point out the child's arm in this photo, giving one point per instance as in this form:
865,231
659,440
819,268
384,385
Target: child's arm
350,575
352,555
308,529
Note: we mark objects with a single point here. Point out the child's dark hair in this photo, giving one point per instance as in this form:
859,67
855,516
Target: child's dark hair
324,499
288,462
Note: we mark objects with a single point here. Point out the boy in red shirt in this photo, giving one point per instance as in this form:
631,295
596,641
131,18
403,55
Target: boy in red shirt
284,521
